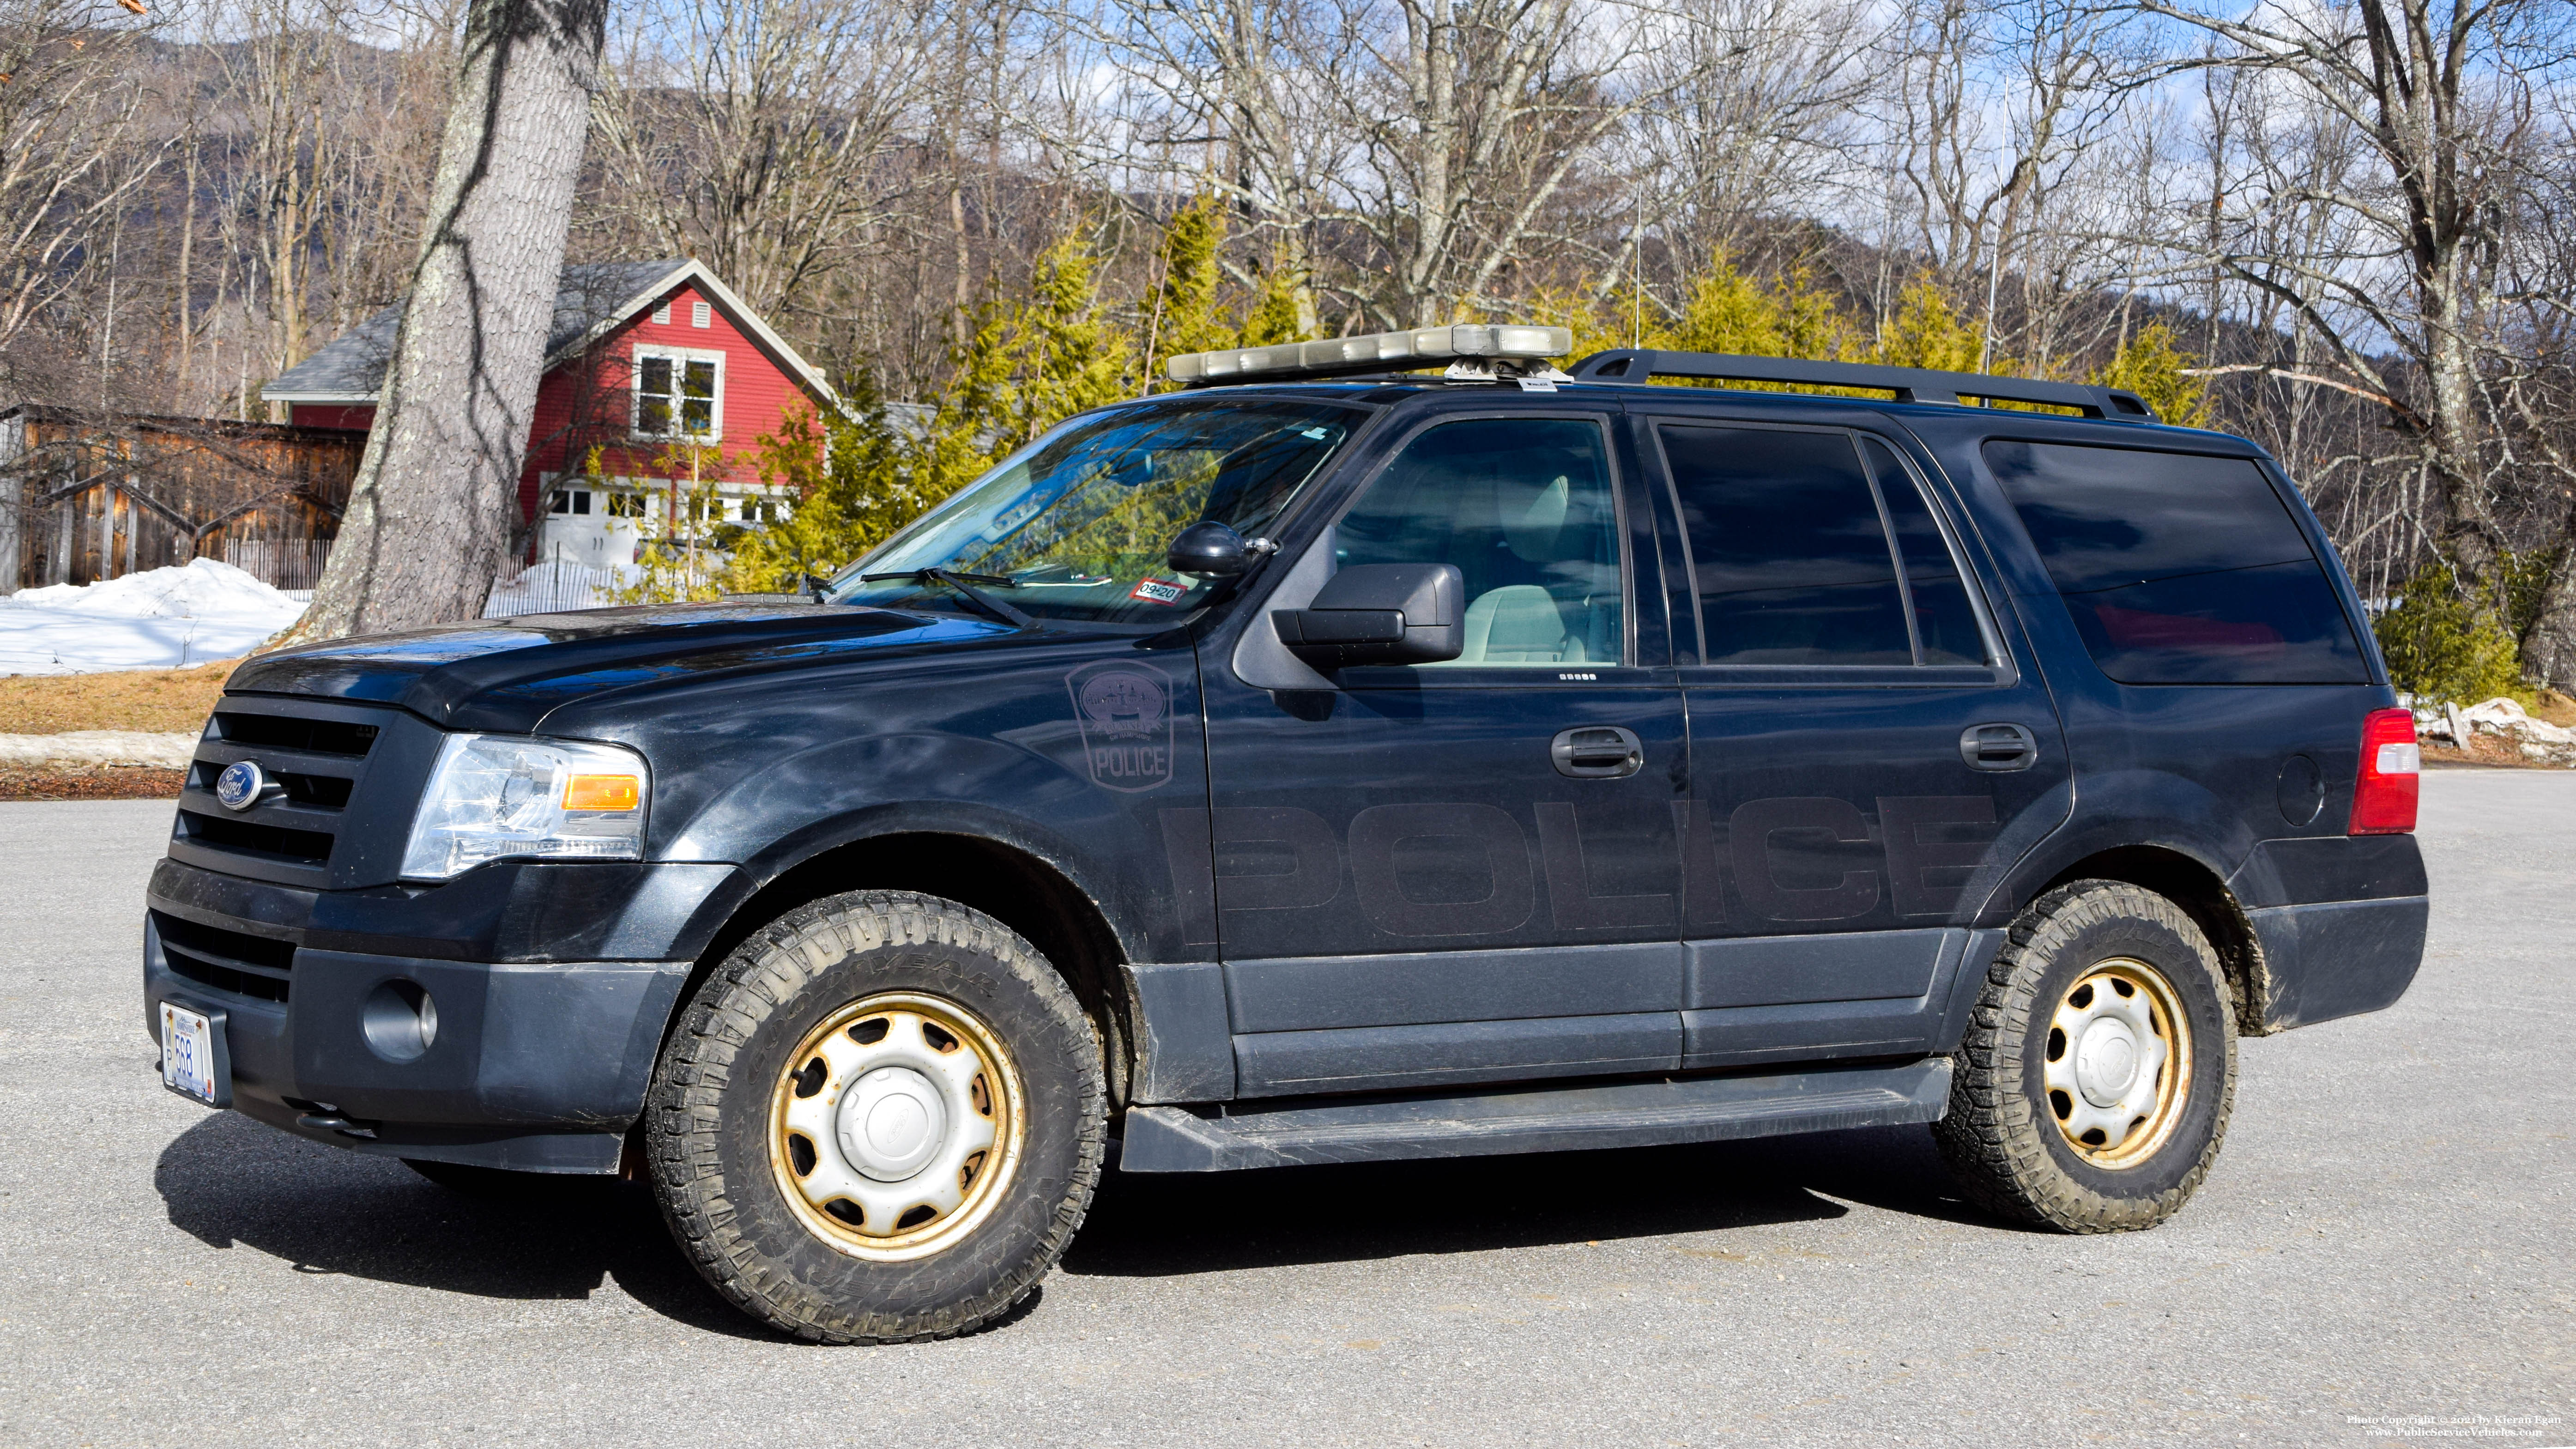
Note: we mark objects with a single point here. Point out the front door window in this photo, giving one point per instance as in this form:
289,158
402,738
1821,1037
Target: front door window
1523,507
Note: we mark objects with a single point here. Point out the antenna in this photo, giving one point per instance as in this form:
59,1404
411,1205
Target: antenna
1637,272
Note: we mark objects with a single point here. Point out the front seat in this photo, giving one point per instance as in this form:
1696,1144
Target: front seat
1523,623
1518,624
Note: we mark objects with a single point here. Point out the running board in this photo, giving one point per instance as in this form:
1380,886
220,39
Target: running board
1637,1114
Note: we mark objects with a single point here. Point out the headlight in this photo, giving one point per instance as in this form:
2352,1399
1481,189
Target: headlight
494,795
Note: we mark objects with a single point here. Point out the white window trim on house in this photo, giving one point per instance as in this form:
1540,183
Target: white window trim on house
727,494
679,357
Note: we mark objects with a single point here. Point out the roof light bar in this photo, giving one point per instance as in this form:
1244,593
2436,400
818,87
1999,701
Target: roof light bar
1376,352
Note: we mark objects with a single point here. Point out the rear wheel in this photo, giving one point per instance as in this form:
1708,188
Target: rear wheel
881,1119
2093,1086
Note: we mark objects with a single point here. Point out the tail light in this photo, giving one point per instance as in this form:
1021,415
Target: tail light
2383,798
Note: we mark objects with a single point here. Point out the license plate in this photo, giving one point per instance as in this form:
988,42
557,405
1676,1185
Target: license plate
192,1056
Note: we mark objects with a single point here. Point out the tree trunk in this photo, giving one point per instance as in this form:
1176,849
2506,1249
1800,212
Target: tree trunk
428,522
2549,649
2450,444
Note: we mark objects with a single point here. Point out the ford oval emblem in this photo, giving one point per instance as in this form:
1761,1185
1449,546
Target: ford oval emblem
240,785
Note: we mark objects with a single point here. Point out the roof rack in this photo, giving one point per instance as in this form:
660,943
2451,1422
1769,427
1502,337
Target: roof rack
1910,384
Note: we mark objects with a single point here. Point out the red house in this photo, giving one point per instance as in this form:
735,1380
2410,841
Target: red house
657,366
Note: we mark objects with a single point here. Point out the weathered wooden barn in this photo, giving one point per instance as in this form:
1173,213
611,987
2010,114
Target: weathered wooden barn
88,496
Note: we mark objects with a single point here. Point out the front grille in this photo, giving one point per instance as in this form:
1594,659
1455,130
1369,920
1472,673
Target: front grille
312,751
234,961
275,842
321,792
295,732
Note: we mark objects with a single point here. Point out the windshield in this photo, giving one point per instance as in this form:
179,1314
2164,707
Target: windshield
1078,521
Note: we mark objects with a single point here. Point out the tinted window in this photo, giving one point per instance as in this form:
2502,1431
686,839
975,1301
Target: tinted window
1787,547
1945,623
1523,507
2179,569
1077,524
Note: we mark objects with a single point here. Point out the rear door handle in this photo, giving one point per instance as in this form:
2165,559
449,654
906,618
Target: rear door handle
1999,747
1596,752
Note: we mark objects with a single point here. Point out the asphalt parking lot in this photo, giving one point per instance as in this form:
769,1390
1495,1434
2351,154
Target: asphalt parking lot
2385,1252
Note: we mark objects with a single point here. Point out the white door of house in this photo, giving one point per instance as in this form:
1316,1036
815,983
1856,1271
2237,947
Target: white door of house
588,526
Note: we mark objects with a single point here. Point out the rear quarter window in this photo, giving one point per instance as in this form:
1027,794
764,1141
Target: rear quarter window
2179,568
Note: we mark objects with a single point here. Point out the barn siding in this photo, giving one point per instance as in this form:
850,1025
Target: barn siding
94,499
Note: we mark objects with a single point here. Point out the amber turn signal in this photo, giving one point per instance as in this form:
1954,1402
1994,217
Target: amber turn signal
603,792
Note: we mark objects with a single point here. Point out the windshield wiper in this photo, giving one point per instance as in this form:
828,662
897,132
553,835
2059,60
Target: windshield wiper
965,584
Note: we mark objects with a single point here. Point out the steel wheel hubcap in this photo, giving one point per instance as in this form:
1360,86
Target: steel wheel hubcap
892,1122
895,1125
2118,1063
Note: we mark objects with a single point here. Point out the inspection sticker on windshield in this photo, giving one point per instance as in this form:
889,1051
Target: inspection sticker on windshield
1155,591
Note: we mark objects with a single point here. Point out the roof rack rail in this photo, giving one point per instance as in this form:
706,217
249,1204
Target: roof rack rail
1910,384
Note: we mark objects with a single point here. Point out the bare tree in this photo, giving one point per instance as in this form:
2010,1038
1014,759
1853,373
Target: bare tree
2442,94
427,526
1756,129
1432,141
2005,127
756,134
73,149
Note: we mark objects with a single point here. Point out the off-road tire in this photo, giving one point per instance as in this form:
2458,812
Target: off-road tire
708,1118
2001,1137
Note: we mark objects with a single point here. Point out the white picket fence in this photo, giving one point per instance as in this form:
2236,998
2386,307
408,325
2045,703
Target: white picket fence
291,564
553,587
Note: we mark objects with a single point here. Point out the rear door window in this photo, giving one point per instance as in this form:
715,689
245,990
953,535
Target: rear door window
1945,623
1800,557
2178,568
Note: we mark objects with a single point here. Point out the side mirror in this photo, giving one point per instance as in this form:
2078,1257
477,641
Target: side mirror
1397,613
1212,550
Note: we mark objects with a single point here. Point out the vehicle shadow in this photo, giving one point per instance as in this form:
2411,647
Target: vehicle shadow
231,1182
1151,1225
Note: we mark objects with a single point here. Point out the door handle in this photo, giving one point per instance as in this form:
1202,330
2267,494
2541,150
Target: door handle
1999,747
1596,752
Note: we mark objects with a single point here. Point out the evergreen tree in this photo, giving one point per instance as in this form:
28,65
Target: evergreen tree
1727,312
1273,316
1597,323
2149,365
1016,370
1183,315
853,478
1811,320
2442,645
971,425
1929,332
1063,354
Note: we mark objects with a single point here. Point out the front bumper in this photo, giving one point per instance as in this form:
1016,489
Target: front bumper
536,1064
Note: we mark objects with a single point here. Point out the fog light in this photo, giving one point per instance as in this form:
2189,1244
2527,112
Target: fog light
400,1021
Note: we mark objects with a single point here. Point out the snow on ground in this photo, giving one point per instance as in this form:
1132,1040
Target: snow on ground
158,619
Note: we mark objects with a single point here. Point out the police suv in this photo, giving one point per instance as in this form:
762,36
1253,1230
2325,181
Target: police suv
1335,761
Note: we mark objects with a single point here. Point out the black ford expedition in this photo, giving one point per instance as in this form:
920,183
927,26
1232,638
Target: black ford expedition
1310,767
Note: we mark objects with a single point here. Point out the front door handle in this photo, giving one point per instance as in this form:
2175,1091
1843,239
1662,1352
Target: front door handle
1596,752
2001,748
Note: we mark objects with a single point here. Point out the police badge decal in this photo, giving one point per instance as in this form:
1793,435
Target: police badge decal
1125,710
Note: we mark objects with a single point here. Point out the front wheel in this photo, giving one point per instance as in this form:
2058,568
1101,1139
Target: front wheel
2092,1090
881,1119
